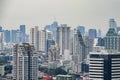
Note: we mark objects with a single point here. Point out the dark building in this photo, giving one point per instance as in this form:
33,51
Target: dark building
104,66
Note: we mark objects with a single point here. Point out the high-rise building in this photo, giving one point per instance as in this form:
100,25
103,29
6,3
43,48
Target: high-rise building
23,29
112,40
63,38
92,33
13,35
81,29
104,66
78,45
23,33
42,40
78,48
52,28
1,40
34,37
112,24
25,62
99,35
7,36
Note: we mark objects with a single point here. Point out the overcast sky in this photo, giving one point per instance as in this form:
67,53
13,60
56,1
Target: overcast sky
90,13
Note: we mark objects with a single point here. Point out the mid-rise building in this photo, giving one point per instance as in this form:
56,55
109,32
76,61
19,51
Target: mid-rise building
104,66
25,62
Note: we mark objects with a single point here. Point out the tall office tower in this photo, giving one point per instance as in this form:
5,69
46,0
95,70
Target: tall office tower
92,33
1,29
19,36
78,48
42,40
52,28
99,35
7,36
112,24
25,62
81,29
63,38
112,40
1,40
13,35
23,32
104,66
34,37
23,29
78,45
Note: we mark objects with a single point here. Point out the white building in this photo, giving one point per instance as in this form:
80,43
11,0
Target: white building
63,38
42,40
34,37
25,62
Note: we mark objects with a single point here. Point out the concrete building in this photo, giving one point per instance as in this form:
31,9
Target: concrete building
34,37
42,40
25,62
53,54
63,37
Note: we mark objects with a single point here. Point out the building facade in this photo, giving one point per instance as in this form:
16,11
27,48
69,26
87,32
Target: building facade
63,38
104,66
25,62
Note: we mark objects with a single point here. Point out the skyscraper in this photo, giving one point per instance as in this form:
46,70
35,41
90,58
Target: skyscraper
23,29
23,33
99,35
52,28
112,40
13,35
81,29
112,24
7,36
25,65
92,33
63,38
42,40
78,49
34,37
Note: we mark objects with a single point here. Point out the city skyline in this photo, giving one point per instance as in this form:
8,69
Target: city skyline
91,14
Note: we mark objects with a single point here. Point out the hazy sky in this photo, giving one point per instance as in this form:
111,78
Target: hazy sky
90,13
